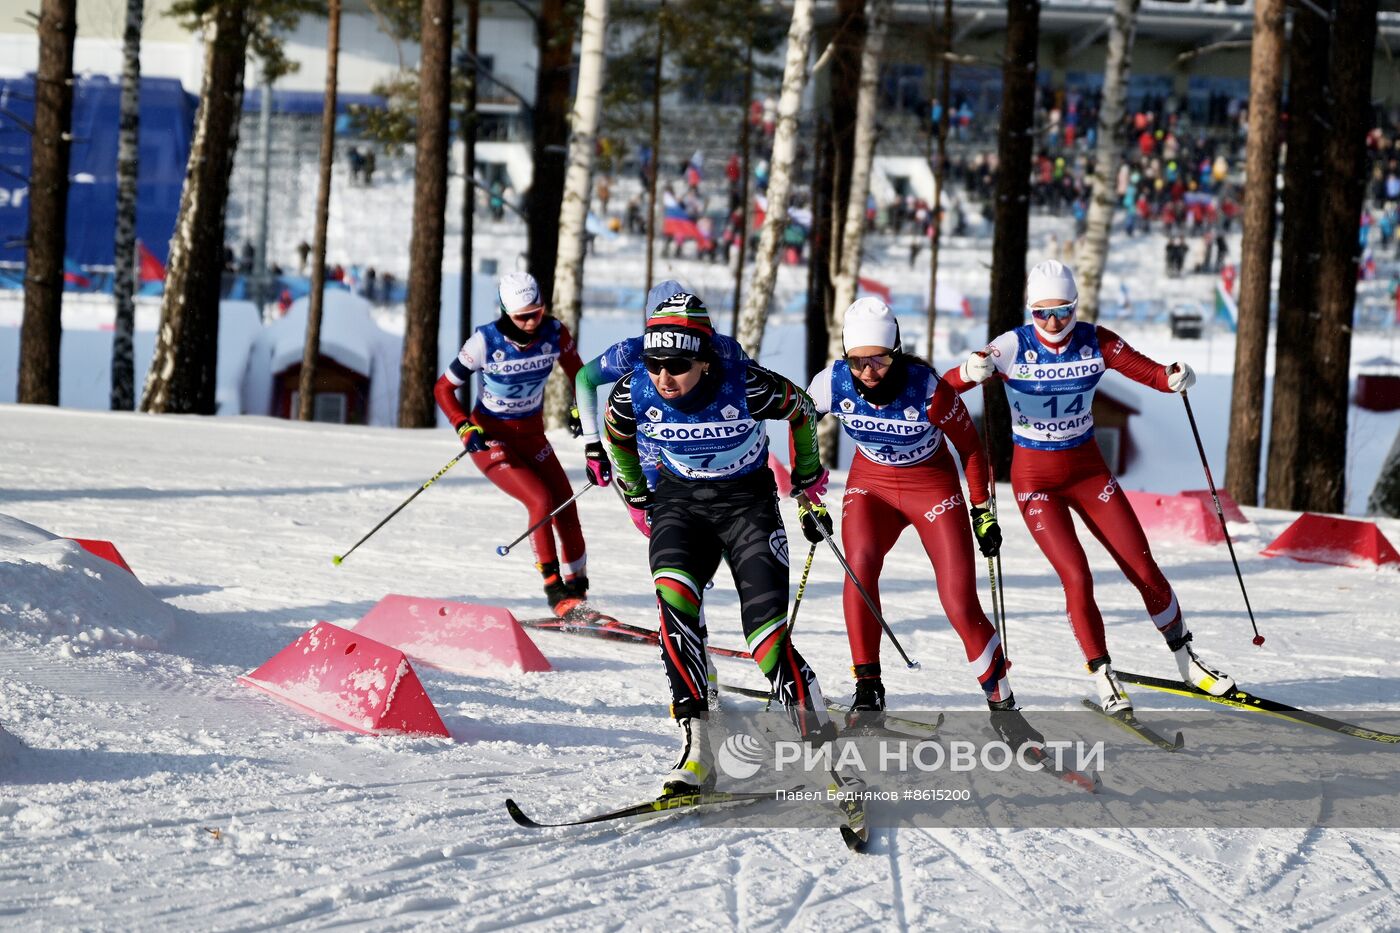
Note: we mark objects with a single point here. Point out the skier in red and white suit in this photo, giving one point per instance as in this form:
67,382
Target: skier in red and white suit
1051,368
898,412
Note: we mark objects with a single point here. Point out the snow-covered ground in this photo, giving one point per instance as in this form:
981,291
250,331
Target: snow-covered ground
144,788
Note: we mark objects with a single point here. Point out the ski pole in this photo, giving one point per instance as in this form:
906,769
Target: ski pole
436,476
870,603
1220,514
504,549
801,587
994,570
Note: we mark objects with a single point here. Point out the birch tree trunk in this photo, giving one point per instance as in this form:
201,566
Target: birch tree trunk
41,329
1108,156
1297,309
123,396
853,227
418,369
1344,165
182,377
1266,58
311,351
578,182
1010,239
755,314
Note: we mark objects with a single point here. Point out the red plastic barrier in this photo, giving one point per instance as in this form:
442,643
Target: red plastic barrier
105,550
1228,505
349,680
1178,516
465,638
780,473
1327,539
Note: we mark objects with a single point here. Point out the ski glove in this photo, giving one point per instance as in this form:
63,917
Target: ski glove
815,519
576,427
1180,377
473,438
638,503
596,462
813,484
988,532
978,367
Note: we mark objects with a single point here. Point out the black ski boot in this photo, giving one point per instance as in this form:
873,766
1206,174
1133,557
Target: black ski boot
558,593
1010,726
868,704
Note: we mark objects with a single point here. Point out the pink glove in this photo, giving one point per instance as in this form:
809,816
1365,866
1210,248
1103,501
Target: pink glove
813,485
641,520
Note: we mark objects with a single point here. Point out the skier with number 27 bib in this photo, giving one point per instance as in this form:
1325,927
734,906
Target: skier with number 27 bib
714,497
505,431
1051,368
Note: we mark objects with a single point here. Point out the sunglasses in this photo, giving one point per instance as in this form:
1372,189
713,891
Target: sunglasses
861,363
1060,312
528,315
676,366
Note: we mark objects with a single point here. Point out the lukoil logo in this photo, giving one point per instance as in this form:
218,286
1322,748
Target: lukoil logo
740,756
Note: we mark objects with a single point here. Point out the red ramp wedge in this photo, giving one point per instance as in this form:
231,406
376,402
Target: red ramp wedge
105,550
464,638
351,681
1327,539
1228,506
1181,516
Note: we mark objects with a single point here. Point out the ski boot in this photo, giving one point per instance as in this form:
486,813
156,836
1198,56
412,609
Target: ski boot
694,770
1010,726
1196,673
1112,698
559,594
868,704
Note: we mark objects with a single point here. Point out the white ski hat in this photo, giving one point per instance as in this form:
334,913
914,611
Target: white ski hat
518,291
1050,279
869,322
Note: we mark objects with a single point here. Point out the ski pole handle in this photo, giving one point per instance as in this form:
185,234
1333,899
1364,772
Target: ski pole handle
338,558
504,549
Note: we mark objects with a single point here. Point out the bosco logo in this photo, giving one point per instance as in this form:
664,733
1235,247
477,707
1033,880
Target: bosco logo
1109,490
951,502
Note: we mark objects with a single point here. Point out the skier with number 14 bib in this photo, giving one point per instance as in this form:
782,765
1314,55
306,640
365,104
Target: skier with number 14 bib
1051,368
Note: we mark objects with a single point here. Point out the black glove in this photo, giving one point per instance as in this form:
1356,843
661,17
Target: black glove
987,531
596,463
575,424
813,484
473,438
814,519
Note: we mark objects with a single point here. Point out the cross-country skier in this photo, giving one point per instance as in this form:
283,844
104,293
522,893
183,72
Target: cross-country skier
898,412
505,431
714,496
1051,368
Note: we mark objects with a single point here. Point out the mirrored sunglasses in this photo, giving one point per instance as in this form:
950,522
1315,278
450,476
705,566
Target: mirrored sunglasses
861,363
1061,312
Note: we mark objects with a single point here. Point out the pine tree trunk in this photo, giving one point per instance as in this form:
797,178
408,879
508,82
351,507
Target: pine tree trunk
1343,164
755,314
846,47
1256,253
853,227
940,136
418,370
551,139
183,373
1385,496
41,330
819,293
1010,239
655,173
573,214
123,396
1108,155
469,123
311,351
1303,183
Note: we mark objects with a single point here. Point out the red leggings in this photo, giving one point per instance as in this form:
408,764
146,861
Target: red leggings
1051,483
523,465
881,501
